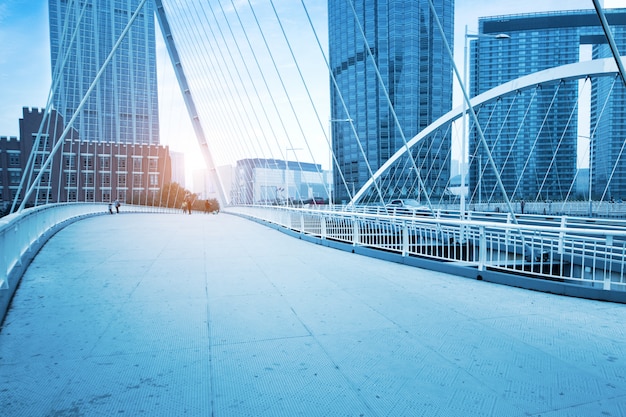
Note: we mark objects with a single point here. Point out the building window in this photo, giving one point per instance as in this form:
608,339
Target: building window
71,179
70,162
45,144
136,164
14,159
43,196
71,195
89,195
45,178
88,179
121,163
87,162
106,195
14,177
121,195
106,180
154,180
39,161
121,180
105,162
153,164
137,180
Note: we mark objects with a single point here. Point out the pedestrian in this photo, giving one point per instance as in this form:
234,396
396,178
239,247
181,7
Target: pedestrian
207,206
185,207
188,201
110,207
117,206
522,204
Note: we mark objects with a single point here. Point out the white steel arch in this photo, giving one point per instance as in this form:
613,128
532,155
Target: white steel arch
595,68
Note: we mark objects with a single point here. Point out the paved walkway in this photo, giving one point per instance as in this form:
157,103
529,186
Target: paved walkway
203,315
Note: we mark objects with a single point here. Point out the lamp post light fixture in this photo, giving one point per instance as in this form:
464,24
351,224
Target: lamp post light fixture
465,138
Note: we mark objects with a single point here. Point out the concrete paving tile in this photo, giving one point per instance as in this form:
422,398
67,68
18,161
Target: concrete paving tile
246,318
160,383
281,377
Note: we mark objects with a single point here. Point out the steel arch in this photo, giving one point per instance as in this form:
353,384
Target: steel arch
598,67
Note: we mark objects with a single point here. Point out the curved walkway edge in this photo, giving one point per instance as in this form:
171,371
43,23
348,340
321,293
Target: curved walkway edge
215,315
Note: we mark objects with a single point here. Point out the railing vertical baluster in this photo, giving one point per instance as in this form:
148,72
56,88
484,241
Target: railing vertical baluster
482,249
608,259
355,232
405,239
562,234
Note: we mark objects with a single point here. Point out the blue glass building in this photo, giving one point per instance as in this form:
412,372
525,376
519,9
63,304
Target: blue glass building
124,106
535,147
407,52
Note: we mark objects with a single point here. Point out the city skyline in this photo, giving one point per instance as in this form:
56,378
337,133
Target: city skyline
25,84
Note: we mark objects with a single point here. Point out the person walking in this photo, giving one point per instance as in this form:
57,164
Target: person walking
117,206
189,202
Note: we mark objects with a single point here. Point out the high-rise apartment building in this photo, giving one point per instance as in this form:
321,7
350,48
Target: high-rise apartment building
403,48
535,143
123,108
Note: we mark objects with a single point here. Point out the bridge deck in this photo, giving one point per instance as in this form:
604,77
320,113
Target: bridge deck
202,315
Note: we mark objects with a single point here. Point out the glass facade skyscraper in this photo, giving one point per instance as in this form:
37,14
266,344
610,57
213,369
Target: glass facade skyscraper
407,53
535,149
123,108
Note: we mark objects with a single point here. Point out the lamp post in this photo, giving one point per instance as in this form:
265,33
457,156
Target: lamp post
464,139
330,155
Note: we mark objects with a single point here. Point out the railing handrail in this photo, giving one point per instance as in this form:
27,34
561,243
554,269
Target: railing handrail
591,258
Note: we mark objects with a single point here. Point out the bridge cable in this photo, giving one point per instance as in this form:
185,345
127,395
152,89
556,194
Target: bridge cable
392,110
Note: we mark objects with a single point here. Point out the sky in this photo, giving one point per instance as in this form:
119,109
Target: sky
25,61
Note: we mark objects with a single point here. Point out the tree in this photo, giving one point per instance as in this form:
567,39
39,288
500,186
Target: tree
171,195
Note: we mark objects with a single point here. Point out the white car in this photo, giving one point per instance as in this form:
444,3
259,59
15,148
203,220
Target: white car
408,206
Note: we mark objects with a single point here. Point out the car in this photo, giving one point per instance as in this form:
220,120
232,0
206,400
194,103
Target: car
407,206
315,201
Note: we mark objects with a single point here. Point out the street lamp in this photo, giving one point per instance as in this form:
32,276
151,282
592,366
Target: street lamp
465,139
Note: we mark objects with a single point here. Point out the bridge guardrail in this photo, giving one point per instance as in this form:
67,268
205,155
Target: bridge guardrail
586,252
23,234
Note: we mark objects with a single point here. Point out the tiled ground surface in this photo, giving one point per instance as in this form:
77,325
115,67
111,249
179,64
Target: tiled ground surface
203,315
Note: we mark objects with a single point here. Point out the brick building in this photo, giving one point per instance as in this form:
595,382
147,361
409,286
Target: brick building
80,170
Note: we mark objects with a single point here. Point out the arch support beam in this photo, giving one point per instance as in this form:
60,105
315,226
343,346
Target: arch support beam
598,67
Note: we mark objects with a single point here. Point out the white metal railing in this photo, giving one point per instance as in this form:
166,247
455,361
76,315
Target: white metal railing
589,252
21,231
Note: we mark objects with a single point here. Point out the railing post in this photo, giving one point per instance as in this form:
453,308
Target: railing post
482,248
562,235
608,258
405,239
507,233
323,227
355,232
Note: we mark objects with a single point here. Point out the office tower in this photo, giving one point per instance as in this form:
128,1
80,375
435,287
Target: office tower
123,108
535,145
406,52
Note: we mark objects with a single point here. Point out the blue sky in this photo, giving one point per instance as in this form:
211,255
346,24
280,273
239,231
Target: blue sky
25,60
